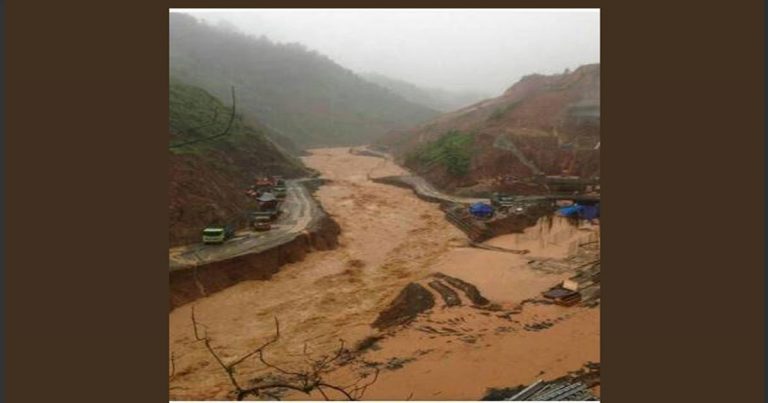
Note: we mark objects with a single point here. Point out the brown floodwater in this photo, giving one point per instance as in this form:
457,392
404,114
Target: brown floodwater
390,238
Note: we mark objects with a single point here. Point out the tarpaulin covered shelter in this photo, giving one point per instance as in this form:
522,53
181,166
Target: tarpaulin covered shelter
480,209
590,212
587,212
267,200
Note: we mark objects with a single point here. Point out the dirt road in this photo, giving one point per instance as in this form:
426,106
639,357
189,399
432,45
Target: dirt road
389,239
419,184
299,211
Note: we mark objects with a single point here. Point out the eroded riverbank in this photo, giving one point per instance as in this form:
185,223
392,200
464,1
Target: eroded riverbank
389,239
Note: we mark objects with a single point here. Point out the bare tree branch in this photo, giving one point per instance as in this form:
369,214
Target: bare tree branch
194,324
242,393
226,368
260,349
224,133
320,389
275,367
173,367
358,392
304,381
212,122
336,388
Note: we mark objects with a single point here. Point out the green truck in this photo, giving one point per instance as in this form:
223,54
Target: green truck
280,188
216,234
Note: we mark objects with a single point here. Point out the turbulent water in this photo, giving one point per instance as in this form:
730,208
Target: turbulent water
389,239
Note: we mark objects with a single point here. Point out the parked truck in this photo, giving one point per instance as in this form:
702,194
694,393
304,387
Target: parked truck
279,187
261,220
271,214
261,223
280,191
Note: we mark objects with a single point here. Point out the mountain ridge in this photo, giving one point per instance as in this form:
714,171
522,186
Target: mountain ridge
541,125
301,94
435,98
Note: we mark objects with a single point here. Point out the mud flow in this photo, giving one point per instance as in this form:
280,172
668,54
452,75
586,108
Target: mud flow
414,302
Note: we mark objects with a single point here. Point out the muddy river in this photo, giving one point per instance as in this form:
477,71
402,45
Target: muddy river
391,238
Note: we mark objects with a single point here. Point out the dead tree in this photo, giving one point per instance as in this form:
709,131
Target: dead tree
305,380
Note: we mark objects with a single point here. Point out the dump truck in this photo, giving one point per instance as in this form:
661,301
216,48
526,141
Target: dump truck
270,214
263,215
216,234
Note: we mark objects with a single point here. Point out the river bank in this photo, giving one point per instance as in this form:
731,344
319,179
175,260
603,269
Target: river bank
390,238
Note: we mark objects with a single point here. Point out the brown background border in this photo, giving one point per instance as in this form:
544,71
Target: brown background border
85,165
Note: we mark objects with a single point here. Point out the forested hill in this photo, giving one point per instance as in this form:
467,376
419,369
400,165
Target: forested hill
293,91
213,158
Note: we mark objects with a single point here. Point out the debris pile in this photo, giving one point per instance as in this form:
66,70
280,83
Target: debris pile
575,386
562,296
497,248
481,221
541,391
469,289
588,279
450,296
586,255
459,216
583,287
415,299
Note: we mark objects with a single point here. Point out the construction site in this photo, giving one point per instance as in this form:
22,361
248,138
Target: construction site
369,283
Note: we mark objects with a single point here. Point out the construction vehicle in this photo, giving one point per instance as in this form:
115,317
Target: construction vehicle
216,234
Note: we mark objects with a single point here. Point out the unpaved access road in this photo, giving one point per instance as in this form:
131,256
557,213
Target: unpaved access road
389,239
419,184
299,210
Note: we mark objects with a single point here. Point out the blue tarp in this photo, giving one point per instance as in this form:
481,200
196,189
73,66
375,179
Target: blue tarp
480,209
590,212
587,212
570,211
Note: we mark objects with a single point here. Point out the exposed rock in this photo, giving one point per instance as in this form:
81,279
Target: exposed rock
470,290
412,300
450,296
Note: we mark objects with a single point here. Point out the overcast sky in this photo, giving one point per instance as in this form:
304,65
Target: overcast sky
478,50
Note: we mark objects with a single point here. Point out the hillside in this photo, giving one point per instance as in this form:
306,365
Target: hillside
207,178
295,92
546,125
437,99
